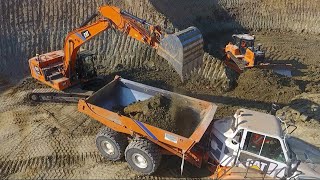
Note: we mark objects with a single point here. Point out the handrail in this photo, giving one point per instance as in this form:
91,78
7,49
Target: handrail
292,125
264,172
286,132
247,168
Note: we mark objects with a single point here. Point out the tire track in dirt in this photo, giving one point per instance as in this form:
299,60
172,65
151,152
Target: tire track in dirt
39,140
44,163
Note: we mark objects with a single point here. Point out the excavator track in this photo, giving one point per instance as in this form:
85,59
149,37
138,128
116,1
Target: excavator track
52,95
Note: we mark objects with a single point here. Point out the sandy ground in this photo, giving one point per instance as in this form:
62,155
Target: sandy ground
54,141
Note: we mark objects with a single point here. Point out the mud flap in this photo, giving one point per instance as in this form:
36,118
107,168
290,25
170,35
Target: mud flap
183,50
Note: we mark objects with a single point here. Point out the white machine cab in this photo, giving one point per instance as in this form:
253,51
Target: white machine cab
251,139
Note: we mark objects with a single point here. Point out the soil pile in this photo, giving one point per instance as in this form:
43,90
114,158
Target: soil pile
264,85
304,107
154,111
304,112
164,113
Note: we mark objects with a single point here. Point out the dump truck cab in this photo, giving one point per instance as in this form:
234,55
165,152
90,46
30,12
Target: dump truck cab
251,139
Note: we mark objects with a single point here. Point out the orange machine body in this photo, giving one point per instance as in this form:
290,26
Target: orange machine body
241,54
40,65
58,69
248,57
171,143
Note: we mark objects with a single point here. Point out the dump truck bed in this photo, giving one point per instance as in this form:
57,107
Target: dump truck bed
193,117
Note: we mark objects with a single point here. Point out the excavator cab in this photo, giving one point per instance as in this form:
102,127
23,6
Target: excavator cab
243,41
85,67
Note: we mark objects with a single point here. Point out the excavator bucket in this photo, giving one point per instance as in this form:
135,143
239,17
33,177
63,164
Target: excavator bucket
183,50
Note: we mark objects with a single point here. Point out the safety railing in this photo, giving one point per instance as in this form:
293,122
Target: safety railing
264,172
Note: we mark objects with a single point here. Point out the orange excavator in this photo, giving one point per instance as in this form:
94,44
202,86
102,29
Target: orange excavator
241,54
65,68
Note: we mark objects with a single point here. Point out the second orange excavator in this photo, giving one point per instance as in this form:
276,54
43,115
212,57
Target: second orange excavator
64,68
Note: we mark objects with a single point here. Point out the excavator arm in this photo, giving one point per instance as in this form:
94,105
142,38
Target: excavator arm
110,17
75,39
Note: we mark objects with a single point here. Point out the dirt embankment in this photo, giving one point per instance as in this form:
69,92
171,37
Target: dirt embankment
32,26
302,108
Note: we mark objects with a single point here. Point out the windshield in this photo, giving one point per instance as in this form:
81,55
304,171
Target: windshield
265,146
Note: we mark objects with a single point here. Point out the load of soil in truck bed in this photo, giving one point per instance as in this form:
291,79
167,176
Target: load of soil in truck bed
164,113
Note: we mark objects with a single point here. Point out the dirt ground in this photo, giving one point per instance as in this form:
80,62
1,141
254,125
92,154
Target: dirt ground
54,141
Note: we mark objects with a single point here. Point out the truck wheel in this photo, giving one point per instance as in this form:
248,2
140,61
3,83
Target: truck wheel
143,156
111,144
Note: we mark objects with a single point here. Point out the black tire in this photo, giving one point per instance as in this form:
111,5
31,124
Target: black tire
150,152
117,140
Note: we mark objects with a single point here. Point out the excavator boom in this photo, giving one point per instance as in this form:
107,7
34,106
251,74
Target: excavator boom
75,39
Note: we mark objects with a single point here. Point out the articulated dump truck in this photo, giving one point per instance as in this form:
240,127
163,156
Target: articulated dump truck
248,141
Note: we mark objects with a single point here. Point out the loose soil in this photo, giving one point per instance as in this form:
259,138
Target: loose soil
264,85
164,113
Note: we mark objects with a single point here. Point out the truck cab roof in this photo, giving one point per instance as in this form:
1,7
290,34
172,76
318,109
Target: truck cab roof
259,122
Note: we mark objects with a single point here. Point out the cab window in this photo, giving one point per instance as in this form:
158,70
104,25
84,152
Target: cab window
272,149
264,146
253,142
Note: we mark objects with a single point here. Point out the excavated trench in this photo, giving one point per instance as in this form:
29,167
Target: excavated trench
55,141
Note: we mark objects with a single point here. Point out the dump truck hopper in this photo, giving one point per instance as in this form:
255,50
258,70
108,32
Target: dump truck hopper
122,92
